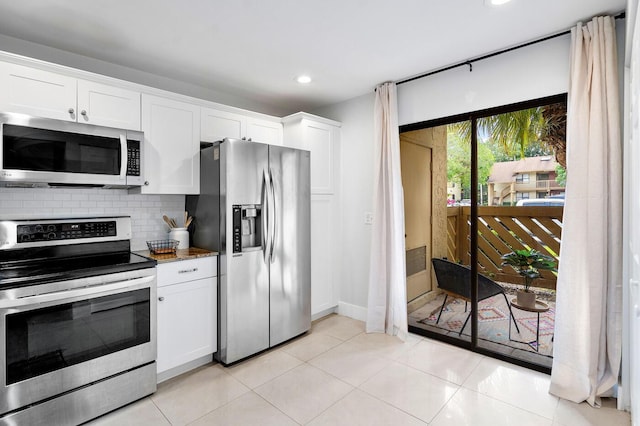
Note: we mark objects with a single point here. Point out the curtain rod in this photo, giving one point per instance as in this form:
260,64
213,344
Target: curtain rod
470,62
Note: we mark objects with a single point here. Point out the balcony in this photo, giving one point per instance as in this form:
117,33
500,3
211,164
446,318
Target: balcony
502,230
548,185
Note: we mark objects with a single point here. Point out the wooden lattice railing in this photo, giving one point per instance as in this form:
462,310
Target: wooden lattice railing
502,230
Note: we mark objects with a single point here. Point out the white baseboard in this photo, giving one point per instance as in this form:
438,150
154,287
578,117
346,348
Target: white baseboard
176,371
352,311
324,313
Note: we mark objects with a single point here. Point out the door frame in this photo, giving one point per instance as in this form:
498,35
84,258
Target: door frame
473,117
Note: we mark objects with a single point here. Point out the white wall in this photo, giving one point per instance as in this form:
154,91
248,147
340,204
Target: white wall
453,92
533,72
528,73
145,210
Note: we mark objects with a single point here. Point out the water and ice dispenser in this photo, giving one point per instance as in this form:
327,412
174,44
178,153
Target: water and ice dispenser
247,227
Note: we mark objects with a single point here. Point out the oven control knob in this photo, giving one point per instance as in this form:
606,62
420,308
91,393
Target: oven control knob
51,228
51,236
25,238
39,228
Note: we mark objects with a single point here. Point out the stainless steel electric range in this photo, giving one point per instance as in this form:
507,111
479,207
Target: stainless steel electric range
77,320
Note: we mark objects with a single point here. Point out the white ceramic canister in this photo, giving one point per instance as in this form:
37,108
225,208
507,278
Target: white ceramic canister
181,235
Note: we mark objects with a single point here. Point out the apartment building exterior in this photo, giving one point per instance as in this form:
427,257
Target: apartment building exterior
527,178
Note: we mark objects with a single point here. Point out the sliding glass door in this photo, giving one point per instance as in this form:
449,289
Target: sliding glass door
433,194
495,195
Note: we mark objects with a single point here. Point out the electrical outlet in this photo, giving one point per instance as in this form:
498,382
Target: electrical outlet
368,218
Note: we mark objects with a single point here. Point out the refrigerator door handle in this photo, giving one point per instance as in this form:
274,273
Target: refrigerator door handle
265,213
274,214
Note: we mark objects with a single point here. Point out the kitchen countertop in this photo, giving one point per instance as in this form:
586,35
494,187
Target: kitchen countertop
180,254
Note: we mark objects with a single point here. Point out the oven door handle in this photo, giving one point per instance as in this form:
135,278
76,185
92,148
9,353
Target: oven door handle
132,284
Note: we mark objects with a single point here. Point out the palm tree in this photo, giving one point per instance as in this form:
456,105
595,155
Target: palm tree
512,131
515,132
555,131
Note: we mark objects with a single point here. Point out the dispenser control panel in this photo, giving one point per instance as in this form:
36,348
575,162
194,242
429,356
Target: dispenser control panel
237,229
247,227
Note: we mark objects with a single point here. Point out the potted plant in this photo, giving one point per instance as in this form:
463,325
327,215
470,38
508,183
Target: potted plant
528,262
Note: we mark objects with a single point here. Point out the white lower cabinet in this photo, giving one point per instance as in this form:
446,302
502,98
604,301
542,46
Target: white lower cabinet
187,312
323,291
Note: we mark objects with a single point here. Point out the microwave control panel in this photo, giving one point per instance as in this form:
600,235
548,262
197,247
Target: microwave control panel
65,231
133,158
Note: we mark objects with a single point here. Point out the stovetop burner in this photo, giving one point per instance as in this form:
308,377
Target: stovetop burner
98,246
15,274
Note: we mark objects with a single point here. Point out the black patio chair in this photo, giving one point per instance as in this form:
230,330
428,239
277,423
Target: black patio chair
453,279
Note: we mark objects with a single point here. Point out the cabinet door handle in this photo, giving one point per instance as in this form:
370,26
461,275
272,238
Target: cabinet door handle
161,298
186,271
71,110
83,112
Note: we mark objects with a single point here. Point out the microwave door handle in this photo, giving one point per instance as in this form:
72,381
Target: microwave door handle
123,157
80,292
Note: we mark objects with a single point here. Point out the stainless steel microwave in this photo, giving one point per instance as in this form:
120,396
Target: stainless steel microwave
43,152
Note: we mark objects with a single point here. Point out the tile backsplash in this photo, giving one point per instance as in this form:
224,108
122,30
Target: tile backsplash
145,210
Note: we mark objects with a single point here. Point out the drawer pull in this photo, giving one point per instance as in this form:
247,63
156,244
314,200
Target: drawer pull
161,298
186,271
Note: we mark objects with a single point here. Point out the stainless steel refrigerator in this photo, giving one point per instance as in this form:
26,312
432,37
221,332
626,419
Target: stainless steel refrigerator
254,209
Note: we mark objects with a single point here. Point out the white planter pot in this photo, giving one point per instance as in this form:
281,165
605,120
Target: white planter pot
526,298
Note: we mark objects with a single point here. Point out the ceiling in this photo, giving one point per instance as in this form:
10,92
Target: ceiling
254,49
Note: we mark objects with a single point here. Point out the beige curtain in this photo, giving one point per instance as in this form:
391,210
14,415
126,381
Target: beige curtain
587,341
387,304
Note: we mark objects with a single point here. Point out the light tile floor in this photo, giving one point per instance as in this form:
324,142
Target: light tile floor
339,375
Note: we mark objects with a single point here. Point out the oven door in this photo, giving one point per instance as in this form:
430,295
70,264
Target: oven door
58,341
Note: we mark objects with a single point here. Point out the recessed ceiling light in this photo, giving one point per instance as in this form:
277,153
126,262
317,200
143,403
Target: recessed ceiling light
303,79
495,2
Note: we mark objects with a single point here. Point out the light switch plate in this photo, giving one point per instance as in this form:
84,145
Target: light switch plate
368,218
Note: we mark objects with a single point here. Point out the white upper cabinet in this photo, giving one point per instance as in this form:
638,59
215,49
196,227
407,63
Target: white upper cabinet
172,146
46,94
36,92
108,106
217,125
321,137
264,131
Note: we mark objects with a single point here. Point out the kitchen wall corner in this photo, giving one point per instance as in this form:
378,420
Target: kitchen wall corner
145,210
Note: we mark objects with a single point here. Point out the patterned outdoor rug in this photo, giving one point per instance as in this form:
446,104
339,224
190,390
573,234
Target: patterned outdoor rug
493,322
